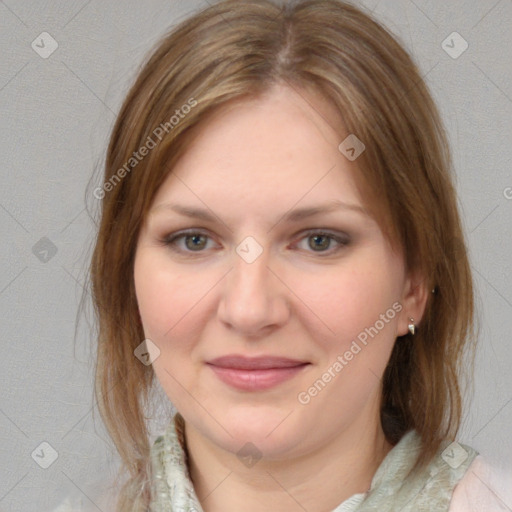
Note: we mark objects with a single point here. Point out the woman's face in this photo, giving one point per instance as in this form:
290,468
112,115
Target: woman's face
256,279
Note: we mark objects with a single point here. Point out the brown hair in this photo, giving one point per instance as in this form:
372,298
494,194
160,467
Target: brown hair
236,49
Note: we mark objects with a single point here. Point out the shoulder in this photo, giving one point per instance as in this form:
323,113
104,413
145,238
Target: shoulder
483,487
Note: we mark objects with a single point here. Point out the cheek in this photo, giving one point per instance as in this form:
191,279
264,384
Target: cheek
344,301
167,300
166,297
359,305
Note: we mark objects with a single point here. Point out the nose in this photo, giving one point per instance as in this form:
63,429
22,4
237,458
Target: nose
254,298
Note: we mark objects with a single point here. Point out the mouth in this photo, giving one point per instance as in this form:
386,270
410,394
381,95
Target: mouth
255,374
237,362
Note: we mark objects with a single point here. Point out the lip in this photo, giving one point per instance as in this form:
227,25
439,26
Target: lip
238,362
255,374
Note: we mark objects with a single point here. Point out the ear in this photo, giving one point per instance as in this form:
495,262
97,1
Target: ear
414,300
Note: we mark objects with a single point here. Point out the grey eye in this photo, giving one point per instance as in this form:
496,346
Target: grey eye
320,241
198,241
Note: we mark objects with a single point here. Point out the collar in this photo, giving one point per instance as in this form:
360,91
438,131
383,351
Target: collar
173,489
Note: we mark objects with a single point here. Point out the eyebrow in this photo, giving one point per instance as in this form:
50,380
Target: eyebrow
292,216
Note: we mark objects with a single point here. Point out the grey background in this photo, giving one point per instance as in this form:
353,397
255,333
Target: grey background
56,117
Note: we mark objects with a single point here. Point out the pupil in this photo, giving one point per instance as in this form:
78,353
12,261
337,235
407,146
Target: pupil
195,240
320,237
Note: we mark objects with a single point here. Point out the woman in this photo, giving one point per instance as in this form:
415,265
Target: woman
280,247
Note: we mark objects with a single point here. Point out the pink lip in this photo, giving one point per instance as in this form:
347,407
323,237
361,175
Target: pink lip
253,374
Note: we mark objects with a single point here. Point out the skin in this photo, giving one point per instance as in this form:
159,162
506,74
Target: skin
250,164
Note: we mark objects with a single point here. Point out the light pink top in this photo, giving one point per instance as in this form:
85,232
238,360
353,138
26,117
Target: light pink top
483,489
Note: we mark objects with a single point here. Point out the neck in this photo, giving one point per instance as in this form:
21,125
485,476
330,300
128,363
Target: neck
319,480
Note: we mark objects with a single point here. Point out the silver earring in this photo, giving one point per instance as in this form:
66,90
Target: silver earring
412,326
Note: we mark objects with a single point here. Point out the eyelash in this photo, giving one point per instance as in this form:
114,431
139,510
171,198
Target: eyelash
170,241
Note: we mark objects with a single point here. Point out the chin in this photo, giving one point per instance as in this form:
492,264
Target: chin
273,431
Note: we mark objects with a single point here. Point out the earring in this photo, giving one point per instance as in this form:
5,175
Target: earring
412,326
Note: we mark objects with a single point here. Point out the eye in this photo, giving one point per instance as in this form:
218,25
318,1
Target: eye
320,240
196,241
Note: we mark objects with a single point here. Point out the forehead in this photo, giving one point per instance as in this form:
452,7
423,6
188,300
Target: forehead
278,148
